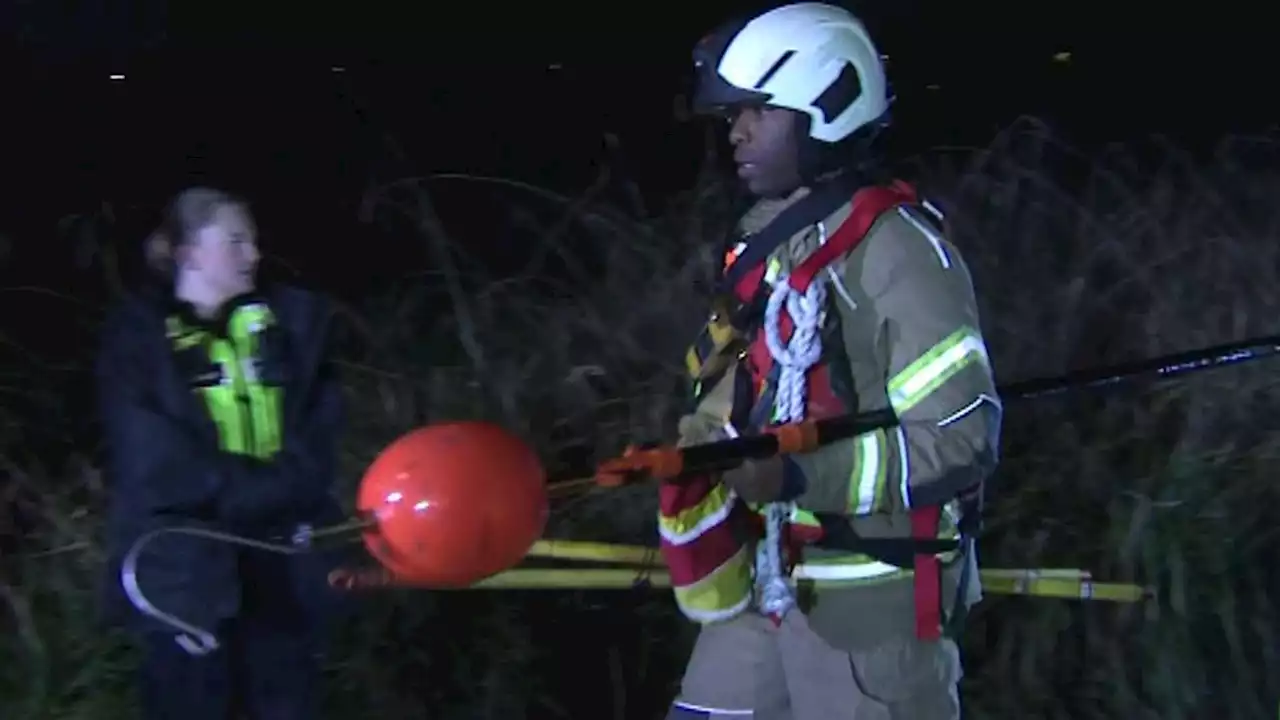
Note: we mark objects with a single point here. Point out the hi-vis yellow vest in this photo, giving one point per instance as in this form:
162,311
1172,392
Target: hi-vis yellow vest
226,370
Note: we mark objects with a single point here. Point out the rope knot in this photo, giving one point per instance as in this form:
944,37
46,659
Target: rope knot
794,358
802,351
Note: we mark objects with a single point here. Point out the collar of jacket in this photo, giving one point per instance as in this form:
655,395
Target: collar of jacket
219,323
764,211
138,319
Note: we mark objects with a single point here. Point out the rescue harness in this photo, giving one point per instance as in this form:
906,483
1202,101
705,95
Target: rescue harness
774,330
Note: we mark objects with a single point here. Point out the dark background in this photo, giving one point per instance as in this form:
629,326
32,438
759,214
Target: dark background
248,96
306,108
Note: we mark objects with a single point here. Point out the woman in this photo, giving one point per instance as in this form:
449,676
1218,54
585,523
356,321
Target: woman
221,412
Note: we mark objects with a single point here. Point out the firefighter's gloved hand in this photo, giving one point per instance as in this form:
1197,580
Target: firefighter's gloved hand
757,481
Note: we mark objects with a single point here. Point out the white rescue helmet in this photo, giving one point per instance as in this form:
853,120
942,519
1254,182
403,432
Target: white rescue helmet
810,57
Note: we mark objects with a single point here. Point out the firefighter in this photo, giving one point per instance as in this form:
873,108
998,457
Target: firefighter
221,413
841,294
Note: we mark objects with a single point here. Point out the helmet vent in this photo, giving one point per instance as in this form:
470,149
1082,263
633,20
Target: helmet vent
840,94
773,69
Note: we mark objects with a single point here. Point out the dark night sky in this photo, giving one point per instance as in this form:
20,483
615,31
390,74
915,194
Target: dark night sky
248,98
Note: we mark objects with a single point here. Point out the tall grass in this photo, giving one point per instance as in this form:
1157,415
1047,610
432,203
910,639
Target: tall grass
1079,261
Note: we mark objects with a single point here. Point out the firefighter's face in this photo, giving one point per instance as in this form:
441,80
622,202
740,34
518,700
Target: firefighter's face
225,252
766,149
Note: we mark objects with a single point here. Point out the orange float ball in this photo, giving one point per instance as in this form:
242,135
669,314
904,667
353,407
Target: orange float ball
453,504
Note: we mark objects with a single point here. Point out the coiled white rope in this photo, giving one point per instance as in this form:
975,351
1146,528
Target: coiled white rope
804,349
794,359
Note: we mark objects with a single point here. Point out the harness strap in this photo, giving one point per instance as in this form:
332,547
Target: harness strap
921,550
928,575
821,202
869,204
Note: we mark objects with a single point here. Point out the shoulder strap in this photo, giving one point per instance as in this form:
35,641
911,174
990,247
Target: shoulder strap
868,205
818,204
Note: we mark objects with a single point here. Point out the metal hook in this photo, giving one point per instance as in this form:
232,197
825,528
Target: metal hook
195,640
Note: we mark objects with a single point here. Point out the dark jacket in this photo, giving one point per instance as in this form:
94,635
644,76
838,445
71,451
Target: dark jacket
164,468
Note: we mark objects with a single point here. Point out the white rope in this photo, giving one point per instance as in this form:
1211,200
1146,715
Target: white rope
774,593
804,349
794,359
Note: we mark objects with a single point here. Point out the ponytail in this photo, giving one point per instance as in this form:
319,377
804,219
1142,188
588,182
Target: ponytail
158,250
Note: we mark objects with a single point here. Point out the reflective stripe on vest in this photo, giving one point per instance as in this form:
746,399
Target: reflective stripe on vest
720,595
681,524
711,568
868,484
857,570
937,365
858,567
916,382
709,564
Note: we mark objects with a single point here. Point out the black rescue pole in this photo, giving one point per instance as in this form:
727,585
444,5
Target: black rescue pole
673,463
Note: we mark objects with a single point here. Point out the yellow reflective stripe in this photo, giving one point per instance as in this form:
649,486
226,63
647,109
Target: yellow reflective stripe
183,338
796,516
687,525
717,334
872,570
275,398
924,375
772,270
224,405
947,523
249,320
693,363
802,517
856,567
723,593
247,413
265,407
226,416
720,330
861,567
870,473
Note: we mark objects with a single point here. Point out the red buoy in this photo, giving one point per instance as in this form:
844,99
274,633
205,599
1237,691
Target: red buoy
453,504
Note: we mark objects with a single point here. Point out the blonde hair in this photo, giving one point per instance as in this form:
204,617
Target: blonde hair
190,211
